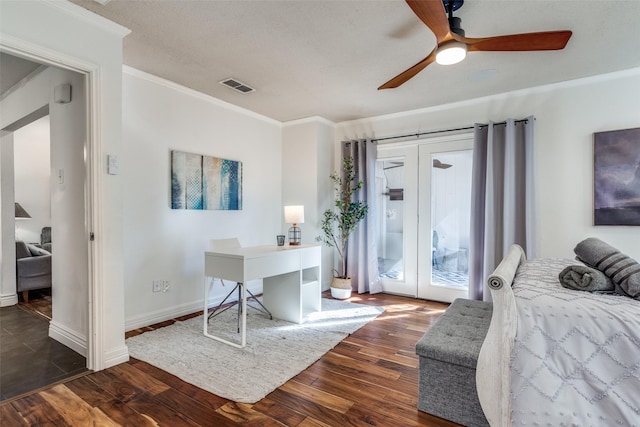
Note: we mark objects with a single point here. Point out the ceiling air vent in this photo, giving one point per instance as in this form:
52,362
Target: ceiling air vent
236,85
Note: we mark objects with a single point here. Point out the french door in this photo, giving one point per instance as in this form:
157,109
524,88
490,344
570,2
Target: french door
397,237
424,216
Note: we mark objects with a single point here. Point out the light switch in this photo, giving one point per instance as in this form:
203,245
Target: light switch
113,167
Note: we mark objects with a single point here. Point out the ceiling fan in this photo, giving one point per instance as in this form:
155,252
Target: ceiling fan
453,45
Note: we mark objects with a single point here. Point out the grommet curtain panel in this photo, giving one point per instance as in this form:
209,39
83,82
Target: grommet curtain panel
362,253
502,197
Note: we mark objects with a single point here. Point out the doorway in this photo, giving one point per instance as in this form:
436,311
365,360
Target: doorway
68,329
424,217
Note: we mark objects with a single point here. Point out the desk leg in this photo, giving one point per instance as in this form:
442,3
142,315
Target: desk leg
243,325
205,311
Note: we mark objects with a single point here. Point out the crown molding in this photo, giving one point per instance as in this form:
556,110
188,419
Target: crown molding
306,120
501,96
194,93
88,17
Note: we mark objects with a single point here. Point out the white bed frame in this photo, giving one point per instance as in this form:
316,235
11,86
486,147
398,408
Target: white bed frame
493,373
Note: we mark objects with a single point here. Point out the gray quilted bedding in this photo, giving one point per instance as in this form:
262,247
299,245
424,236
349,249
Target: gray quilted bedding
576,359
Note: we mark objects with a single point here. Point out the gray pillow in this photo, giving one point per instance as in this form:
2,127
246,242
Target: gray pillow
623,270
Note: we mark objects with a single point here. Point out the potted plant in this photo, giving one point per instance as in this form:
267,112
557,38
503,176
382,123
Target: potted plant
338,224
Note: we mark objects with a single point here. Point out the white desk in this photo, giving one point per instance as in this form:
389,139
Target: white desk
291,280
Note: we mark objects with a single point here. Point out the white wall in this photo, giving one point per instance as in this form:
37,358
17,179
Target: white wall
300,172
32,178
324,185
165,244
8,295
69,235
567,115
307,162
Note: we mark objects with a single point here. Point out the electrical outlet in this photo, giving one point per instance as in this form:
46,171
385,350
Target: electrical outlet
165,285
157,285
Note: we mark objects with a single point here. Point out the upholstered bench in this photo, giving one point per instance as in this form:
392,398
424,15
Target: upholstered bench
448,357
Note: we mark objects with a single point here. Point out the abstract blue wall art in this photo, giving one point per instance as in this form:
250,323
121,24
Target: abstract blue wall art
204,182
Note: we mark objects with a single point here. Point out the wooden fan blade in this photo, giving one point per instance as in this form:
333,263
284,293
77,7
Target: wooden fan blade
406,75
433,14
549,40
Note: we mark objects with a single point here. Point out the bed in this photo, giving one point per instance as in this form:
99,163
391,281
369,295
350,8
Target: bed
555,356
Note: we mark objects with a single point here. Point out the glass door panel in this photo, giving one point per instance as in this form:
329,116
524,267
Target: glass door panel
391,217
444,229
396,181
450,218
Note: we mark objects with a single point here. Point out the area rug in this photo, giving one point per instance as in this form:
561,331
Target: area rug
276,350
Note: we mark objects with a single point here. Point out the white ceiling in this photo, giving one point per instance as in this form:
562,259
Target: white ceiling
327,58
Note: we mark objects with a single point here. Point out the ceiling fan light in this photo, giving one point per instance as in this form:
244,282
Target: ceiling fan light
451,53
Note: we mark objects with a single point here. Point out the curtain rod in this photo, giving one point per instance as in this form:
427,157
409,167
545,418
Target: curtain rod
419,134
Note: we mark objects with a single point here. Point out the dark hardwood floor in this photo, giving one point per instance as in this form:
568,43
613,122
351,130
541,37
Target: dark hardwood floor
369,379
39,303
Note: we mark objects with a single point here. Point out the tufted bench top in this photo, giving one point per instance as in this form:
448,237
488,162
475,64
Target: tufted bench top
458,334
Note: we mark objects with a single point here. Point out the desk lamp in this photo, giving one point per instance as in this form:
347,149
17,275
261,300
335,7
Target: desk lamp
294,215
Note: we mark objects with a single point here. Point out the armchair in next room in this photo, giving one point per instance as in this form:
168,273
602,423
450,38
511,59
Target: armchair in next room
33,268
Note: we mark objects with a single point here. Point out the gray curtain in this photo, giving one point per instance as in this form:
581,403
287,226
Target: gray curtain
362,254
502,198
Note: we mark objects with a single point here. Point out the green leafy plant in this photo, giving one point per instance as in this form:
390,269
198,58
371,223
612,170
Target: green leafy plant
338,223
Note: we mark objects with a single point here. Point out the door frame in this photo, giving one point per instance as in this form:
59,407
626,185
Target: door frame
414,221
93,200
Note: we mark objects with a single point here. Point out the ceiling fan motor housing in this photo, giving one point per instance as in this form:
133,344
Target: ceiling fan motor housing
455,25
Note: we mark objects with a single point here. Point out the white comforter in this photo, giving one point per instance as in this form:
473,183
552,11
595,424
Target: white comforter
576,359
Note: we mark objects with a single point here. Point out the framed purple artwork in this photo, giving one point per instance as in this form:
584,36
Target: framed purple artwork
616,177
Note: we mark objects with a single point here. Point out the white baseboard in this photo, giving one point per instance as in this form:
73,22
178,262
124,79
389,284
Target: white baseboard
8,300
116,356
158,316
68,337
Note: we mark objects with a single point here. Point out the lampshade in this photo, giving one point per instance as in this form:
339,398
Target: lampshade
451,53
294,214
20,212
